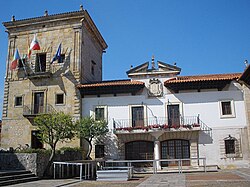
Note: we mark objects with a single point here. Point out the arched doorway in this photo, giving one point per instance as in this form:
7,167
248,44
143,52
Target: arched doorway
175,149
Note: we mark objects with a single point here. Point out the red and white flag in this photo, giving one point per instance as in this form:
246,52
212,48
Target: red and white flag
15,60
34,44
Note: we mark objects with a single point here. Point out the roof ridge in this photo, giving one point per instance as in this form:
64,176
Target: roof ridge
107,81
111,83
210,74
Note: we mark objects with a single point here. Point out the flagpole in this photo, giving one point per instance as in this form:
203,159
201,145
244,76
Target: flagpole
24,67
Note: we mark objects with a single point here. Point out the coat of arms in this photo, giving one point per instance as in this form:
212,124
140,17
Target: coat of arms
155,88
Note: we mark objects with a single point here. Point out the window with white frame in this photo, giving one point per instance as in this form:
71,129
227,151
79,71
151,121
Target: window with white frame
100,113
227,108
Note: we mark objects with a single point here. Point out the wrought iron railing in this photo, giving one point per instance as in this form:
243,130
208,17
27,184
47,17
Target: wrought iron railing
187,122
38,109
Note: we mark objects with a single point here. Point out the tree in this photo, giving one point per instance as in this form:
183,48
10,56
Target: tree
53,128
89,128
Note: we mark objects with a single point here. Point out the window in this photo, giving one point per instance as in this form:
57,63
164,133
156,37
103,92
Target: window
40,65
21,62
227,109
137,116
59,98
38,103
139,150
99,151
175,149
173,115
230,146
62,58
93,67
19,101
99,113
35,140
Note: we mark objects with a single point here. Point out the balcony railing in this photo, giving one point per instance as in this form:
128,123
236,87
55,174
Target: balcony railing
182,123
37,109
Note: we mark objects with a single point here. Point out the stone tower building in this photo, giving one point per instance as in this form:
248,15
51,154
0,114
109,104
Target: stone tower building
38,86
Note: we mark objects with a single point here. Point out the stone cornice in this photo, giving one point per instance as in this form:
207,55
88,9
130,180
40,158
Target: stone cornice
44,19
78,16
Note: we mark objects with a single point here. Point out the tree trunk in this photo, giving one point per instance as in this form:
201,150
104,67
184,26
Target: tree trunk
47,170
89,151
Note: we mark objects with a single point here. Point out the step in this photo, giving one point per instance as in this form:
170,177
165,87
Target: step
17,181
9,177
112,175
13,172
16,176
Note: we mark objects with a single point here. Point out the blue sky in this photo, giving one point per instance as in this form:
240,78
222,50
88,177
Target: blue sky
201,36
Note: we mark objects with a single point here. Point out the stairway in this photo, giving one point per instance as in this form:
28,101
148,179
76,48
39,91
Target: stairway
15,177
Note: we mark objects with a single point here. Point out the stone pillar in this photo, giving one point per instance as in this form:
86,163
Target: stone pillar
194,151
157,153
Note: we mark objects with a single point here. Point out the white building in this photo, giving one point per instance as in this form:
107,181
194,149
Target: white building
157,114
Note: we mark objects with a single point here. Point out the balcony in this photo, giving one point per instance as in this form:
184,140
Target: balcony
31,112
187,123
39,75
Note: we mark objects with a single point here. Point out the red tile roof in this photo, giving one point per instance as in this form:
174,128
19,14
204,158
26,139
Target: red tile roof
200,78
111,83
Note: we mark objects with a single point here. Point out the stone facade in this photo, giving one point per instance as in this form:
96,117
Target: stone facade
34,162
82,47
245,80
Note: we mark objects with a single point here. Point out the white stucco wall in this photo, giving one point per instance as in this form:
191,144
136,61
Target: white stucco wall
206,104
192,103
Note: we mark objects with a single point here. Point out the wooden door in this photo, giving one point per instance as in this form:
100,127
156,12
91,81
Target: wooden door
39,102
137,116
173,115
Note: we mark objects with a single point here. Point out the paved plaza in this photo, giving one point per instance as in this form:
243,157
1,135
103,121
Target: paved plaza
223,178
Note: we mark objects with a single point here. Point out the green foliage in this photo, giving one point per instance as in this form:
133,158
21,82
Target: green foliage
88,128
72,149
48,151
55,127
29,150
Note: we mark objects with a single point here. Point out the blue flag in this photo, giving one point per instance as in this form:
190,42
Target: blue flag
57,55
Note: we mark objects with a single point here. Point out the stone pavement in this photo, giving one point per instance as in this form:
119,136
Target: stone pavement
49,183
164,180
223,178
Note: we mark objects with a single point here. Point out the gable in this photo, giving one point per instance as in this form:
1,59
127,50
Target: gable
161,69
